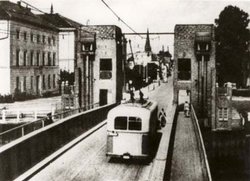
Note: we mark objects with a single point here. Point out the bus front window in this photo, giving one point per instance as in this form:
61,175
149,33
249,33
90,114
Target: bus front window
134,123
121,123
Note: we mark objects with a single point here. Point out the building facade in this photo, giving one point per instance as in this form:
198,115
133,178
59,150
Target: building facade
29,52
194,68
227,117
109,63
68,31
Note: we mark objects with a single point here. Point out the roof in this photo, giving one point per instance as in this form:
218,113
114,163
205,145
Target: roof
102,31
133,109
16,12
60,21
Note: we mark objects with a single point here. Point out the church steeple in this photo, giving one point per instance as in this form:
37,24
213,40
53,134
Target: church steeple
147,45
51,9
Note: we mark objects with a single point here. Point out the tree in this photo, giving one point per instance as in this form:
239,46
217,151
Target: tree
231,34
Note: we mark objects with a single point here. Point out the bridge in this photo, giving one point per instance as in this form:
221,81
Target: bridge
73,148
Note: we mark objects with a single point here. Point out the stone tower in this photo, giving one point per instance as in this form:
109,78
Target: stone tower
194,68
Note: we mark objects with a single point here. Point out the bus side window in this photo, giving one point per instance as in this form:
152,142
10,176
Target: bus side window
121,123
134,123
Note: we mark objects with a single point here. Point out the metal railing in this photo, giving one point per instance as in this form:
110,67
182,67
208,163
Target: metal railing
24,129
201,145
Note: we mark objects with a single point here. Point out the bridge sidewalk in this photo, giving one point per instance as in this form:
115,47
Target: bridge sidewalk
186,159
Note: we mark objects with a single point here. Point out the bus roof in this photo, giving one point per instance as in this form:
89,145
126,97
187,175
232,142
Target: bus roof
136,109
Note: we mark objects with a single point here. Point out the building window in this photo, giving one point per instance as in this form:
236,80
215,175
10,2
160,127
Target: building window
54,81
37,58
31,83
53,40
49,59
184,69
17,83
25,58
49,40
17,57
31,37
18,34
223,114
49,82
105,68
44,86
38,38
25,36
43,59
54,59
24,83
31,58
44,39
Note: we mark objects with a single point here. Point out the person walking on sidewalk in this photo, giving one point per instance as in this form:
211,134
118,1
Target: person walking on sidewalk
186,109
162,118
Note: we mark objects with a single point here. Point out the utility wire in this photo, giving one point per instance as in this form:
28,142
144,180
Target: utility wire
120,18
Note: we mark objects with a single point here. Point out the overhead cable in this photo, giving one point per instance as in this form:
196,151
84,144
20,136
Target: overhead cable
120,18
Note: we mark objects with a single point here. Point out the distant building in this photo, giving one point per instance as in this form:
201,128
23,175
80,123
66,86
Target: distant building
68,30
108,64
246,67
28,52
227,117
165,61
144,64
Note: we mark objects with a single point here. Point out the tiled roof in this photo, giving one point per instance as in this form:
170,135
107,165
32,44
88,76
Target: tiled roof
102,31
12,11
60,21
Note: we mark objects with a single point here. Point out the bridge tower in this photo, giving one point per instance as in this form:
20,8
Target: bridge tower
194,68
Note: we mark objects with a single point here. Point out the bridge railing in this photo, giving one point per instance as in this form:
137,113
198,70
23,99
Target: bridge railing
24,129
22,154
201,146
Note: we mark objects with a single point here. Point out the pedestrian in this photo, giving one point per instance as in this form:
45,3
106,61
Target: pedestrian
141,96
49,119
162,118
186,109
132,96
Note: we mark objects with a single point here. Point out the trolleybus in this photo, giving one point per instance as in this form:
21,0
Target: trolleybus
131,129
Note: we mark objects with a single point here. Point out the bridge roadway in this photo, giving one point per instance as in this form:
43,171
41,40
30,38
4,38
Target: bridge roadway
87,159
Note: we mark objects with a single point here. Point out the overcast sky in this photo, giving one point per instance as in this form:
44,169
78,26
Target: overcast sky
157,15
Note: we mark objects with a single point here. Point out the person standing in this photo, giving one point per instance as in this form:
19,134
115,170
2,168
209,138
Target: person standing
186,109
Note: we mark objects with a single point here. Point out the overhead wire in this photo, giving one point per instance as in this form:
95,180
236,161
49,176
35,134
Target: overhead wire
119,18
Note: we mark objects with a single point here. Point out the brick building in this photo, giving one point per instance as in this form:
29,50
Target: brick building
28,51
194,68
108,65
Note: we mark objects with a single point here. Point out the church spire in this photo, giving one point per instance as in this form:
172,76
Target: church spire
147,45
51,9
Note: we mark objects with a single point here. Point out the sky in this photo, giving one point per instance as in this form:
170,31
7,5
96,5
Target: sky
156,15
